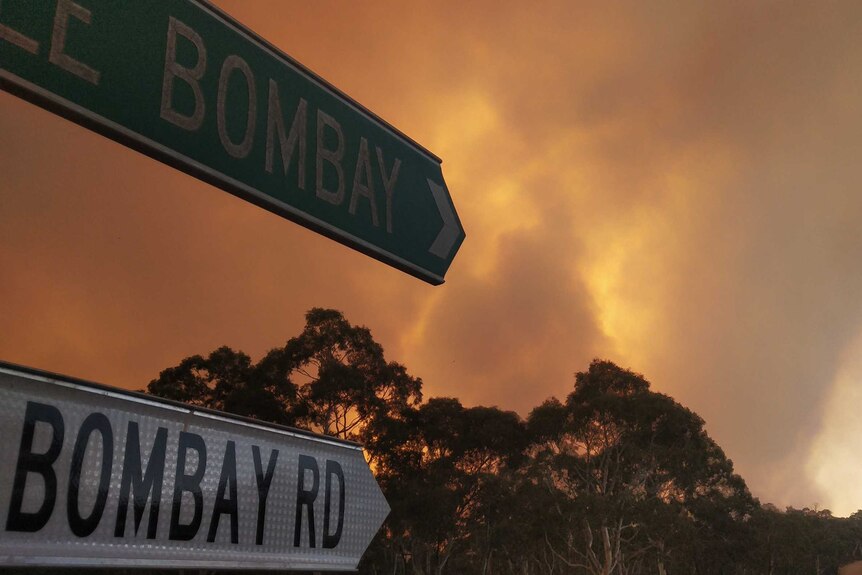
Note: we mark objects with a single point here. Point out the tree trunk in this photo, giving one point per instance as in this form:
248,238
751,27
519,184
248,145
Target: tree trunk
486,563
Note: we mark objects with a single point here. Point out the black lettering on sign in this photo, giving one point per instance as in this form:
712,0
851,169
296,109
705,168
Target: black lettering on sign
83,526
263,483
305,497
142,484
188,483
333,468
223,505
38,463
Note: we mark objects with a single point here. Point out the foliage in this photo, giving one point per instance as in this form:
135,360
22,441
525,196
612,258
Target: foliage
615,480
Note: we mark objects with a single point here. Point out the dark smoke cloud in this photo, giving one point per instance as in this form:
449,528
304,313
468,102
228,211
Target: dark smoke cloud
673,186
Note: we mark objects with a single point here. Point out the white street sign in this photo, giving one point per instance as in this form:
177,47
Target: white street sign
95,476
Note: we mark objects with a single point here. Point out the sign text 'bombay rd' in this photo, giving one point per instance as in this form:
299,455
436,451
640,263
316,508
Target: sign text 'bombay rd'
100,477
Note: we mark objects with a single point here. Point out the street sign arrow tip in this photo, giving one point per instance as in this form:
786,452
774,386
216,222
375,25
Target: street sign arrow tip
375,514
448,235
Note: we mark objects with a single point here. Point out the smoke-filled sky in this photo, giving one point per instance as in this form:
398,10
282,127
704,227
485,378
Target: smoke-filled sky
674,186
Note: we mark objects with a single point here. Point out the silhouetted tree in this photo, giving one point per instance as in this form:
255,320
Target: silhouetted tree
332,378
226,380
342,378
615,480
637,473
435,494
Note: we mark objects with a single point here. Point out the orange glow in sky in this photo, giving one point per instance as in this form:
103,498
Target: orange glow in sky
674,186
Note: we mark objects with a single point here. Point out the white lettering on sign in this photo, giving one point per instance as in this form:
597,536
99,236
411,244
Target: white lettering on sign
388,185
17,38
190,76
189,86
297,136
330,143
58,56
331,156
366,190
242,149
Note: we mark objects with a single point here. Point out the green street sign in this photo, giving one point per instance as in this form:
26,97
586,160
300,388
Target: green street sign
184,83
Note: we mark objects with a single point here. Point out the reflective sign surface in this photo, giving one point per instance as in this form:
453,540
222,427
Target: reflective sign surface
93,476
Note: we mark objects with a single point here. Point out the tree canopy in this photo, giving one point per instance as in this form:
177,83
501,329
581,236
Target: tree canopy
616,479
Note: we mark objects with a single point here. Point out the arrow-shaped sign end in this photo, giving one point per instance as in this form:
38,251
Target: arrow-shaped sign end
448,235
375,512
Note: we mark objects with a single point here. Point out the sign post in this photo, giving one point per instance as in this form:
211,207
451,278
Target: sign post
184,83
98,477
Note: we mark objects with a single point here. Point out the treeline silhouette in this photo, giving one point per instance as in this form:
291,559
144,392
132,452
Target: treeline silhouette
615,479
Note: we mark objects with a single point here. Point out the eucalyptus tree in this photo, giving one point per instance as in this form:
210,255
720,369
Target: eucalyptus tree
344,382
436,483
641,480
226,380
